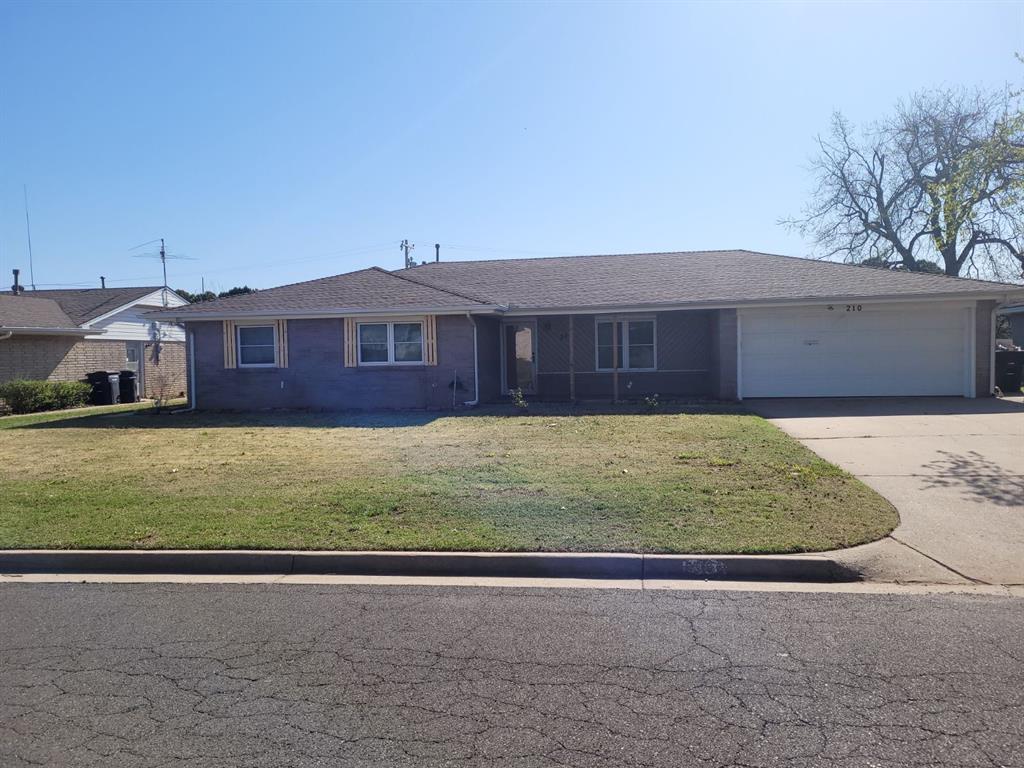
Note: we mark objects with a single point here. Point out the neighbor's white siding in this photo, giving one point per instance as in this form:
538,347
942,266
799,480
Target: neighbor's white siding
130,324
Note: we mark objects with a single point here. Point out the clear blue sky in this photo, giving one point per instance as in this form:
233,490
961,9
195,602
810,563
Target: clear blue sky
281,142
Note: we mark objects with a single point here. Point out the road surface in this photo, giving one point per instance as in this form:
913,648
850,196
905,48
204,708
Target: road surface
210,676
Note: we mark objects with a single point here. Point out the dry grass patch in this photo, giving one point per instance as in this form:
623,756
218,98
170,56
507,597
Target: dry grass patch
697,482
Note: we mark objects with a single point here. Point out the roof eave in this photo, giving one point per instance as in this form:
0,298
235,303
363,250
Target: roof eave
793,301
307,314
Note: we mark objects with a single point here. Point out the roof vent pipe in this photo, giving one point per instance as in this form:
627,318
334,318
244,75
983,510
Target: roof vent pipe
103,282
16,288
437,252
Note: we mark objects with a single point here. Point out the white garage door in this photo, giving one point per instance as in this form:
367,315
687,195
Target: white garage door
842,350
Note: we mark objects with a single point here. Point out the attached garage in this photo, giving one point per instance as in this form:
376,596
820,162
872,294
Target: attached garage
861,349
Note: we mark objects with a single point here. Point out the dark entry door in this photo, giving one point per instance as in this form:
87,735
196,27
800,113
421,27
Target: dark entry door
520,357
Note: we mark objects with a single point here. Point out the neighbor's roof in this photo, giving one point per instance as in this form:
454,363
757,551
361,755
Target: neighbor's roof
30,312
694,277
367,289
84,304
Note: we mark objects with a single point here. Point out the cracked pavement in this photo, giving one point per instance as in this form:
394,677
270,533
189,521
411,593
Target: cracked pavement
272,675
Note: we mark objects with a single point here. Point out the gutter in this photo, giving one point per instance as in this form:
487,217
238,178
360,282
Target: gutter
37,331
476,367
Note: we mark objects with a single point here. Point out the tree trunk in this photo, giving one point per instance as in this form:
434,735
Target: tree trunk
949,260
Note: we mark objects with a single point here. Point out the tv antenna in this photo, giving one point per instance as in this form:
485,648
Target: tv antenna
405,247
163,255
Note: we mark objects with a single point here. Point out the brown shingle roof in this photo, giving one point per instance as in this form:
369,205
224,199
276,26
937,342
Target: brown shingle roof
695,277
643,279
369,289
31,312
84,304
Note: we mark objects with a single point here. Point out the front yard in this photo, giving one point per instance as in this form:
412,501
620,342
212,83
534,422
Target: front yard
698,482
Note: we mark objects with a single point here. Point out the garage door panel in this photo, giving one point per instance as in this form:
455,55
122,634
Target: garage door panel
878,350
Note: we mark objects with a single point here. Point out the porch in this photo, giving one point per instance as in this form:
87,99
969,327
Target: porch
616,357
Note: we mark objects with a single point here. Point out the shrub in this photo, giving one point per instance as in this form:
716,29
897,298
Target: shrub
31,396
518,399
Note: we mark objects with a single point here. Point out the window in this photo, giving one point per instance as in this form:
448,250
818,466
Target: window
390,343
630,343
256,345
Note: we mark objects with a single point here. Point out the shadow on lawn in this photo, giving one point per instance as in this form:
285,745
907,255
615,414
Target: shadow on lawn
364,420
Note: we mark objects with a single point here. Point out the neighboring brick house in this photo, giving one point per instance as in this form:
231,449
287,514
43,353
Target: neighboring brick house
62,335
721,325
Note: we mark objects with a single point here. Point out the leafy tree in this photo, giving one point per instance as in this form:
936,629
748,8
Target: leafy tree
236,292
195,298
941,180
881,263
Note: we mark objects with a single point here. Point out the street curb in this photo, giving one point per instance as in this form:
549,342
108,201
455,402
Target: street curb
587,565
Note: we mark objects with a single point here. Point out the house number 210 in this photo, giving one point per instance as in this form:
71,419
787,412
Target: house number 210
854,307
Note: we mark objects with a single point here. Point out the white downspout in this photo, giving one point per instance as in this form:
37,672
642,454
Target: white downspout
476,367
6,335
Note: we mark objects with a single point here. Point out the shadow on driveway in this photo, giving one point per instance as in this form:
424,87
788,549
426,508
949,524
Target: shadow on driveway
976,476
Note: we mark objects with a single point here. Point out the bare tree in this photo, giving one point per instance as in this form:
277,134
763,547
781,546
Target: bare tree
941,181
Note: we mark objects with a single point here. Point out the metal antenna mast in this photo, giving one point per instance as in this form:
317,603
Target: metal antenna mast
28,233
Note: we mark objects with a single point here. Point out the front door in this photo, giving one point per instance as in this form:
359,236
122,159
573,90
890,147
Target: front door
520,357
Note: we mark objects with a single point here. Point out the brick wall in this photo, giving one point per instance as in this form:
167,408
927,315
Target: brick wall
57,358
317,378
164,371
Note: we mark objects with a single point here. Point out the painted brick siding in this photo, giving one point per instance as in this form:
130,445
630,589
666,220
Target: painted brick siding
57,358
684,359
488,333
984,344
165,373
317,378
725,373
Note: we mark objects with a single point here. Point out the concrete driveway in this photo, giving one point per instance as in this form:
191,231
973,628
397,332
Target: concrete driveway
954,469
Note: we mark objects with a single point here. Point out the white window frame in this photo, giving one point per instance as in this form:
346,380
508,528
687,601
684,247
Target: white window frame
391,343
238,345
624,320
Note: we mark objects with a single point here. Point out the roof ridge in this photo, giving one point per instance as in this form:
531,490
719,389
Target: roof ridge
583,256
478,299
713,251
891,271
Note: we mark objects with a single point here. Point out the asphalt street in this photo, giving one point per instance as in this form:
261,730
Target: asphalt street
279,676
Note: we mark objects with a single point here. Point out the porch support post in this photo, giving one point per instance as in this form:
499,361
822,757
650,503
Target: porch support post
572,359
615,359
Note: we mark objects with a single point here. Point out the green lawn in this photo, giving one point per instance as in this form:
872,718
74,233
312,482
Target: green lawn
683,482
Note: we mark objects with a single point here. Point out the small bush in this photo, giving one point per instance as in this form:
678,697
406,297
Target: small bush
32,396
518,399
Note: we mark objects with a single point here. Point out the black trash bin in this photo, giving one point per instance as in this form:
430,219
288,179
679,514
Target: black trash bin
129,387
1009,370
105,387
